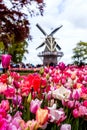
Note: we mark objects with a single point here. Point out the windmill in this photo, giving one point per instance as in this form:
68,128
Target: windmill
51,53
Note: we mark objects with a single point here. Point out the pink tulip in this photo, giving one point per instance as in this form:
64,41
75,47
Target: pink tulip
34,105
9,93
5,105
15,122
56,115
82,110
17,100
43,82
3,123
85,103
63,80
6,60
75,113
71,104
65,127
3,87
76,95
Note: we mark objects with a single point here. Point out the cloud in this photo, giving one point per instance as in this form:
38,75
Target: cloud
75,11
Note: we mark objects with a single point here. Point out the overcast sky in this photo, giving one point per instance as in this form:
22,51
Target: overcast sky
72,14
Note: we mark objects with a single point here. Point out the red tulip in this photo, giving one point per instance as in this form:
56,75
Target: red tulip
3,78
36,82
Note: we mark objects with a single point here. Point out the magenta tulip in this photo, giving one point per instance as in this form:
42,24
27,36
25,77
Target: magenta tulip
6,58
62,66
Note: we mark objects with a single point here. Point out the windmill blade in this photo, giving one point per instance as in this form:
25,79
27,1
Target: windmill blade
41,29
40,45
55,30
58,46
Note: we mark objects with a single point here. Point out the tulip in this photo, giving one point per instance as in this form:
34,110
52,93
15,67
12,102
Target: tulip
65,127
61,93
42,116
3,112
9,93
3,87
31,125
56,115
5,105
17,100
36,82
71,104
43,82
61,66
75,113
15,122
16,84
5,60
82,111
85,103
4,78
3,123
73,76
29,98
34,105
76,95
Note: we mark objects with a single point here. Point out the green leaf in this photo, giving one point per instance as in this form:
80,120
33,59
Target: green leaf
75,124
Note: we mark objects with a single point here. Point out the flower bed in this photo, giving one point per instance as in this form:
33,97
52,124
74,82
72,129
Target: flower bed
25,70
55,98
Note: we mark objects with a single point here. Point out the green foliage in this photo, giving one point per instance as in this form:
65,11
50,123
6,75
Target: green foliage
16,50
80,53
1,47
15,26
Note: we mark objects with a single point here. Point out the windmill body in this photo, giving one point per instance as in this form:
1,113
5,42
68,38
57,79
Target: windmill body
51,53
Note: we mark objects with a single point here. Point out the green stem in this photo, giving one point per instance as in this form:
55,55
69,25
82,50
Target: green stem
28,112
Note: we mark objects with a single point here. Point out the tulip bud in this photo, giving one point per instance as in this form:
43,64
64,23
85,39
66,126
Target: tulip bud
29,98
47,76
6,60
41,71
61,66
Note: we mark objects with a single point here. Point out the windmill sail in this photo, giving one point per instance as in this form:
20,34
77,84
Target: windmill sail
41,45
55,30
41,29
58,46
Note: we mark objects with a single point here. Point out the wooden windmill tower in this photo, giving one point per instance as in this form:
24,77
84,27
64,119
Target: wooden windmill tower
51,53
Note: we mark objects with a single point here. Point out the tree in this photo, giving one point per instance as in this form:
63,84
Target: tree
17,51
14,22
80,53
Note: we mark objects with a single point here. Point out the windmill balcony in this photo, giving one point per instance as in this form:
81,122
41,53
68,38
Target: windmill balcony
58,54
